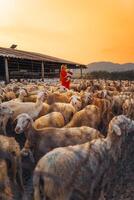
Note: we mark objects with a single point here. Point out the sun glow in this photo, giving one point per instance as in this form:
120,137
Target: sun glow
6,9
83,31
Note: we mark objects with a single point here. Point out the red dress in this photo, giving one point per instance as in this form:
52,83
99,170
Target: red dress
65,78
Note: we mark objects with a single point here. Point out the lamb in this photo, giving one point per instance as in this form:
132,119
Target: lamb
81,171
5,114
40,141
54,119
33,109
89,116
11,147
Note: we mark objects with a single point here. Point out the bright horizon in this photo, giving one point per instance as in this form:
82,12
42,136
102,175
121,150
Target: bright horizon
84,31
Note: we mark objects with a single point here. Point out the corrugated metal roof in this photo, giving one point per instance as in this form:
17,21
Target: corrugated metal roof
14,53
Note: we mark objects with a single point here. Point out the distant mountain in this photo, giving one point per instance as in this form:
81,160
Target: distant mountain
109,67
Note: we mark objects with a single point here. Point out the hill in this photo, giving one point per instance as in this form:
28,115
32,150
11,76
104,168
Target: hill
109,67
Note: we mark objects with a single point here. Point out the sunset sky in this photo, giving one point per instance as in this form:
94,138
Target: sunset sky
79,30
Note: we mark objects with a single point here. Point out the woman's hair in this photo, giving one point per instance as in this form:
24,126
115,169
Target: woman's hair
63,66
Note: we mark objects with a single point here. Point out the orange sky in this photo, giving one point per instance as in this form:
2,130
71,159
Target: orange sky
79,30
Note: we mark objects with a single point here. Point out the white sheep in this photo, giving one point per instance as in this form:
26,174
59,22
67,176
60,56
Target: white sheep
33,109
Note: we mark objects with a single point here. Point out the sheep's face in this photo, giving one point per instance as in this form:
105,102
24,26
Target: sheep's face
125,106
121,126
23,92
23,121
42,95
76,102
87,98
62,89
5,111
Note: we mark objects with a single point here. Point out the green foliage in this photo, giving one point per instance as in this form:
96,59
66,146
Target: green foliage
127,75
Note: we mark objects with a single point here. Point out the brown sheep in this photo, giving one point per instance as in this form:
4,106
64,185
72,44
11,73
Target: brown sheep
81,171
54,119
9,145
57,97
89,116
5,187
105,107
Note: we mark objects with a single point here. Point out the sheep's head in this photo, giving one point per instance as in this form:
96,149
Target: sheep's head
62,89
23,122
5,111
23,92
87,98
42,95
76,102
121,126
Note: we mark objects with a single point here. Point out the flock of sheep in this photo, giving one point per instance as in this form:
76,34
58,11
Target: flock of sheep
69,139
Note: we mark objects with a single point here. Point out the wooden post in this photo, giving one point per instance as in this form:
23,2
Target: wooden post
81,71
6,70
42,71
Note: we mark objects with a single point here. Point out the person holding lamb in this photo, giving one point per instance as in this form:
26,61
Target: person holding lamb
65,76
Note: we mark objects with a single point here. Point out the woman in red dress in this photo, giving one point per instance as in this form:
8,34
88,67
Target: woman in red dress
65,76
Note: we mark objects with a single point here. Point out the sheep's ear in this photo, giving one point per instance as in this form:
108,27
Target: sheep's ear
70,99
116,129
81,92
14,121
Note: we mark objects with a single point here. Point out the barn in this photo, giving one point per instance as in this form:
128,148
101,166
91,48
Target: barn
18,64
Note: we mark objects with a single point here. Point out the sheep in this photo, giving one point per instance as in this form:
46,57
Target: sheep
66,109
5,187
33,109
81,171
128,108
54,119
57,97
105,110
22,93
45,110
86,98
5,114
89,116
40,141
9,145
9,95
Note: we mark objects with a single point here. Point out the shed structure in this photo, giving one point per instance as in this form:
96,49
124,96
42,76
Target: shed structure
18,64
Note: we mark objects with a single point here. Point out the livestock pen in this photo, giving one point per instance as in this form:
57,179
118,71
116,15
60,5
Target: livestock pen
106,104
